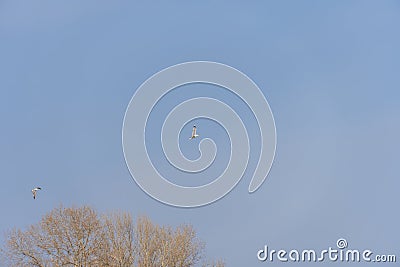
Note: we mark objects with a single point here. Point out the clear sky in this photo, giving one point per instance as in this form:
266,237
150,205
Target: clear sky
330,72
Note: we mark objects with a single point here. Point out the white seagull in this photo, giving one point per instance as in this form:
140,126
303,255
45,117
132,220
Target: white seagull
34,190
194,135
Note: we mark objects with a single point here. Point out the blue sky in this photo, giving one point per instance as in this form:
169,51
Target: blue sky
328,69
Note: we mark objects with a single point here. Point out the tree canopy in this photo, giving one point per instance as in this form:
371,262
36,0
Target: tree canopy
81,237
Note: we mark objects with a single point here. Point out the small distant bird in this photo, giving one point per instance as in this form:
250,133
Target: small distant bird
194,135
34,190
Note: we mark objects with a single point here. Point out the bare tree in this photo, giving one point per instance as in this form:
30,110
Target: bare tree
118,247
64,237
79,237
164,246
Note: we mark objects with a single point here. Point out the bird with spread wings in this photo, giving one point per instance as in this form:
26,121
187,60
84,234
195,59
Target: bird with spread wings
34,190
194,134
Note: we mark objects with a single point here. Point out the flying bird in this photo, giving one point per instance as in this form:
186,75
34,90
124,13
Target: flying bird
34,190
194,135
